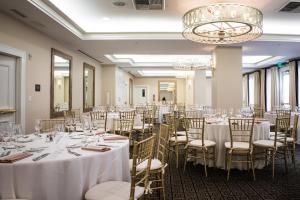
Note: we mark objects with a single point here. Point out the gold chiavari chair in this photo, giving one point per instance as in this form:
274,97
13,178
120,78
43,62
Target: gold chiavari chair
99,119
241,132
274,148
197,147
126,127
176,141
283,113
258,112
48,125
158,163
127,114
139,185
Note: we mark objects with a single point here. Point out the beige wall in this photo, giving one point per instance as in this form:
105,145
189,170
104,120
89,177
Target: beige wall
152,84
38,46
108,79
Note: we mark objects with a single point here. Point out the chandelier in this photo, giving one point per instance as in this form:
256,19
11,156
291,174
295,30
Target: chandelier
192,64
223,23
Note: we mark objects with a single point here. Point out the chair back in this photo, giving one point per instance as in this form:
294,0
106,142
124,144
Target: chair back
241,130
281,130
127,114
193,114
126,126
48,125
283,113
258,112
195,128
162,145
99,119
142,152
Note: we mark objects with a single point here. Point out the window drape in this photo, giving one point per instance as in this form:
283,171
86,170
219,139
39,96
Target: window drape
257,91
262,88
245,90
275,88
292,93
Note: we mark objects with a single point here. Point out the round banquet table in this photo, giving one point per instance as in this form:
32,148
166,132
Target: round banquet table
271,117
219,132
62,175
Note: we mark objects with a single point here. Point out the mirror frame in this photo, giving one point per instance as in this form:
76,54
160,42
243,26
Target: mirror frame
173,81
88,66
54,52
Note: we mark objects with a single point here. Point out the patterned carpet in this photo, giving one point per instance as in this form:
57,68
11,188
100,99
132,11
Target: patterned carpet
193,185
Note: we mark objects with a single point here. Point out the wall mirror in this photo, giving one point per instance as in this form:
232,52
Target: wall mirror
61,83
167,91
88,87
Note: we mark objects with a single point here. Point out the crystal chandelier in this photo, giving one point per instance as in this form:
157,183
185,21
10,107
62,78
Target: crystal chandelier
192,64
223,23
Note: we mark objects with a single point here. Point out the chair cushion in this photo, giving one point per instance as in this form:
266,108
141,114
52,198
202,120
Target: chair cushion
181,133
290,139
179,139
237,145
113,190
266,143
138,127
155,164
198,143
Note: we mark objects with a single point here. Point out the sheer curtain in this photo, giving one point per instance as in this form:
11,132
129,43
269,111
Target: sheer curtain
275,87
292,69
245,90
262,88
257,92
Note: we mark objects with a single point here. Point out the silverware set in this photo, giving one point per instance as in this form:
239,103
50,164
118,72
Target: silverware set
5,153
40,157
73,152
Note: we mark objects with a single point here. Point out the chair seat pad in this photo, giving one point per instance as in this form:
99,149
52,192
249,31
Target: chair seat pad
179,139
181,133
266,143
198,143
141,127
113,190
155,164
237,145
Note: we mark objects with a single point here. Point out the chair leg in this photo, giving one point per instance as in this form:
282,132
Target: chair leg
293,150
214,156
229,166
185,159
226,157
177,154
204,160
273,163
163,193
285,160
266,157
252,166
248,163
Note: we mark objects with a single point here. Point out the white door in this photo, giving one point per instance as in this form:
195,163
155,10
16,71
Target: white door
140,94
7,87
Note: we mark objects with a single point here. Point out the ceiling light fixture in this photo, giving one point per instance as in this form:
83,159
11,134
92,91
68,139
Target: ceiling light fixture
119,3
223,23
192,64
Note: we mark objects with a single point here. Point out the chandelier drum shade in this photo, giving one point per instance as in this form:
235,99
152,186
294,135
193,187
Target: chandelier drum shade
223,23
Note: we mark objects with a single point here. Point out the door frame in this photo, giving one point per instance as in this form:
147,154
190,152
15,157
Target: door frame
21,59
134,91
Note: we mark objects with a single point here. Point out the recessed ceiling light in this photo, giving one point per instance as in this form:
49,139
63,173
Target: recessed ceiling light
105,18
119,3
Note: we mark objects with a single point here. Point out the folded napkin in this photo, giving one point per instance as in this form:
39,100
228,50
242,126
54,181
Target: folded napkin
99,131
15,157
95,148
115,137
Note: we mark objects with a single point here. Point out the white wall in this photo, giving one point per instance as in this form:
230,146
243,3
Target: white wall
202,89
152,84
38,66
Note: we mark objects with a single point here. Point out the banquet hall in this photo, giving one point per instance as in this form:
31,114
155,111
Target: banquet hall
149,99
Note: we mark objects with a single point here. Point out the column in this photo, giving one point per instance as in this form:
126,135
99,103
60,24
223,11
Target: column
227,91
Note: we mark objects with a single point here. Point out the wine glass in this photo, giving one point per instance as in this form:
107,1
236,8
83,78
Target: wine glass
38,126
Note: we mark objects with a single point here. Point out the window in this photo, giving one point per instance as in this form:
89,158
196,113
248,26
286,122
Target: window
251,89
268,89
285,86
298,83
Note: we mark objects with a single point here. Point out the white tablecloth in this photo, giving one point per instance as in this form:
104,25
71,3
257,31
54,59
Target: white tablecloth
63,176
162,110
271,116
220,134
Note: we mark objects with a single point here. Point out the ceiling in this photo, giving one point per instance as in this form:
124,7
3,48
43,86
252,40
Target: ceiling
98,28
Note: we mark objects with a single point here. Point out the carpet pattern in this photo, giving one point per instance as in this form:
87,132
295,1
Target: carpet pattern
193,184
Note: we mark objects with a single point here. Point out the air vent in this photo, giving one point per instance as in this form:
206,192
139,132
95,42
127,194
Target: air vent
149,4
292,6
18,13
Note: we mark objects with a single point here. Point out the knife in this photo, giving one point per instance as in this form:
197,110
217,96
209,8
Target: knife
74,153
40,157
